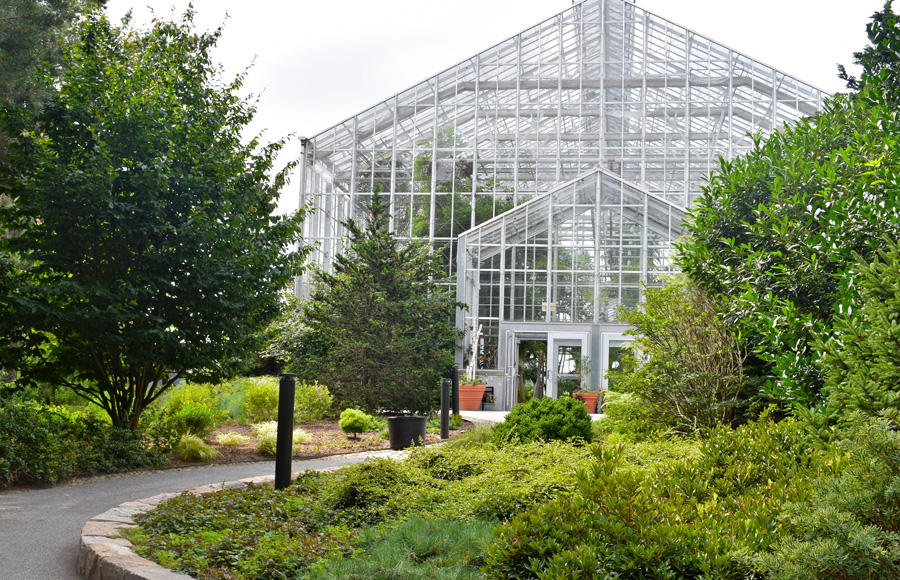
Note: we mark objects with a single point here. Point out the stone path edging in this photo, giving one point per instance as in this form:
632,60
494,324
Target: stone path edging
105,555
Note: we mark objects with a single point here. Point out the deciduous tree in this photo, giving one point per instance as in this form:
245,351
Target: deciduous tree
146,249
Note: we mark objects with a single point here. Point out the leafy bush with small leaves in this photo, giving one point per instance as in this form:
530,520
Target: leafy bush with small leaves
626,417
260,398
546,419
47,444
231,439
196,419
188,393
476,482
354,422
312,401
193,448
263,533
669,509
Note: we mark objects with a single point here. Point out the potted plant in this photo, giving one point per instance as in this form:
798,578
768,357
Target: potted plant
488,404
471,388
471,393
583,393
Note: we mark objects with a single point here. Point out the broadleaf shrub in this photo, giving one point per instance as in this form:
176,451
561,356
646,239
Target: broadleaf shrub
260,398
546,420
312,401
627,417
47,444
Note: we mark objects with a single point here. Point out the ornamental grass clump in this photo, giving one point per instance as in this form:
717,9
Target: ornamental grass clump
266,437
193,448
231,439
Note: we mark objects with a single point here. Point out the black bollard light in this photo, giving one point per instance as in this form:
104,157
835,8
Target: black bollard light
284,442
445,407
455,376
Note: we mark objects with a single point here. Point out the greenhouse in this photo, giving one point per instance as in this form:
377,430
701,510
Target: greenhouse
551,172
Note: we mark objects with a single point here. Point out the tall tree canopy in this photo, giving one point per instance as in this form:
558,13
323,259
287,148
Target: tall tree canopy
33,34
379,330
777,231
146,249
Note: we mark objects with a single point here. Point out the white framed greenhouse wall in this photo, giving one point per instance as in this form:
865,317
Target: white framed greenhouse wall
602,86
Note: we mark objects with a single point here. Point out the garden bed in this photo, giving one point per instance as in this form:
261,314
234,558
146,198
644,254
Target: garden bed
327,439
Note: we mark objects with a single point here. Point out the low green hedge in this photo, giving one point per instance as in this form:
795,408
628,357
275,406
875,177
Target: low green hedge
46,444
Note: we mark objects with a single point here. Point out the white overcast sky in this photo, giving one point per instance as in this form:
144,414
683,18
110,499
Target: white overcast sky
316,63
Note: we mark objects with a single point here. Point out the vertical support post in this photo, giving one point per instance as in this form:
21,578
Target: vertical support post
455,378
446,384
283,442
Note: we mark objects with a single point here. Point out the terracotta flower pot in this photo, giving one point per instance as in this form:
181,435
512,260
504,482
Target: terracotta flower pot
589,398
470,397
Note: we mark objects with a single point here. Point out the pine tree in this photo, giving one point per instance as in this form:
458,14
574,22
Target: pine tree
379,329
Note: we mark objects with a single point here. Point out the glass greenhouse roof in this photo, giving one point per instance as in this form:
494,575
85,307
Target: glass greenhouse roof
603,85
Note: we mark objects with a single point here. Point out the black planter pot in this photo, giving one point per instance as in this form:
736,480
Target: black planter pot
406,431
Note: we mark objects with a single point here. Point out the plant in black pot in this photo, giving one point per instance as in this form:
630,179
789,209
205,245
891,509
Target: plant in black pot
377,326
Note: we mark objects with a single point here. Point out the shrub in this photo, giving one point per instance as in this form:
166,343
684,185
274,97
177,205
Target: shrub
354,421
311,401
266,437
196,419
193,448
850,528
546,419
187,393
260,398
46,444
862,357
231,439
669,509
238,534
626,416
690,372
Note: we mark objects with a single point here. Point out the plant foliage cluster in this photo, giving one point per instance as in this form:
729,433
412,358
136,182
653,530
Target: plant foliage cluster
140,244
778,232
46,444
264,533
378,329
691,373
546,419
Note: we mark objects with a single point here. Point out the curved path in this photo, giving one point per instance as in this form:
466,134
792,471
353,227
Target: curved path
40,529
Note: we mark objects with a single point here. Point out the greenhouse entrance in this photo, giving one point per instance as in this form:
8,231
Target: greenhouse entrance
566,355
